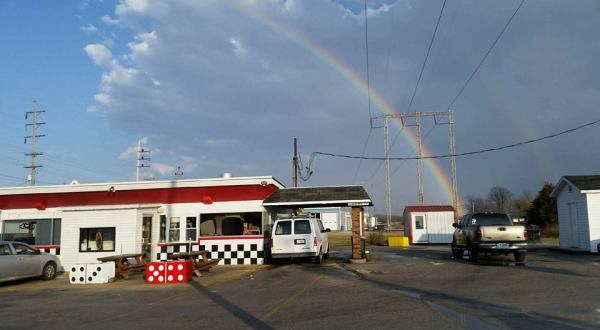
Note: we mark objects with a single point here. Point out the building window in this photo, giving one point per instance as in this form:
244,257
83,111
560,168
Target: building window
163,228
419,222
97,239
174,229
191,225
33,231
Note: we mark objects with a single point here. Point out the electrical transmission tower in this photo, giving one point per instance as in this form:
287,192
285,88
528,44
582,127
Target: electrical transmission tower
143,163
406,120
33,125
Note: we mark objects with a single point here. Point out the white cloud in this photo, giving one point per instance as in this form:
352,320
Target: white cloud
89,28
237,47
141,45
102,98
163,169
128,6
109,20
99,54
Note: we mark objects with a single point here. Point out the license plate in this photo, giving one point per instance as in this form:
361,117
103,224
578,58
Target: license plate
502,245
299,241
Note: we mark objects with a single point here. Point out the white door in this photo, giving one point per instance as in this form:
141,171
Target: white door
419,228
574,224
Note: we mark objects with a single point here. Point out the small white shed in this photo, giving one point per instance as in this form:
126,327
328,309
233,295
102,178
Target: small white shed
578,203
429,223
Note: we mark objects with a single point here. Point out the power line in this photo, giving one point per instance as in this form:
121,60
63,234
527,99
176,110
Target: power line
481,151
486,55
437,24
363,153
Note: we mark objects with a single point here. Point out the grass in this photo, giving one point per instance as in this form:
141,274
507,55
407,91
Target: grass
551,240
342,238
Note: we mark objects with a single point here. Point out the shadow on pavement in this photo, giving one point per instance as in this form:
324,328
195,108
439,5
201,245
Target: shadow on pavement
230,307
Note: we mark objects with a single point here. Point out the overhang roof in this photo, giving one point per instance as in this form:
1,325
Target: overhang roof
583,183
320,196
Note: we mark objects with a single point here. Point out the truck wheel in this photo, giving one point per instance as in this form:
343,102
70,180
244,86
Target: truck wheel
49,271
520,256
457,252
472,252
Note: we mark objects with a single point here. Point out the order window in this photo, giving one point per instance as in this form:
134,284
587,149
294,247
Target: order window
97,239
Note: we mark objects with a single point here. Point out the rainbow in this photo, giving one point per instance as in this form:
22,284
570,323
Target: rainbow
353,78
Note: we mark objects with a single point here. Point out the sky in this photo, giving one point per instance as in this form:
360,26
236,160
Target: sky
224,86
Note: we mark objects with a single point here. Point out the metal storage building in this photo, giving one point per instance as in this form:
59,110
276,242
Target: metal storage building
429,223
578,204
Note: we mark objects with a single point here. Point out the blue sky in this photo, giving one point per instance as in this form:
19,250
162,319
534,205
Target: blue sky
211,89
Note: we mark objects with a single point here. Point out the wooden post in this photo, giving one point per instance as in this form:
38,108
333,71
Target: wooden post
356,212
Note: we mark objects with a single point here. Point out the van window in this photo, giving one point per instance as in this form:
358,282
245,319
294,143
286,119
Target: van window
302,227
284,228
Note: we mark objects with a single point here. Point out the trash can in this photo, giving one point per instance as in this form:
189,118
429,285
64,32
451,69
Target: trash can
362,245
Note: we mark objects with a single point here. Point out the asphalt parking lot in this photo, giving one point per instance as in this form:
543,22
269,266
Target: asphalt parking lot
420,287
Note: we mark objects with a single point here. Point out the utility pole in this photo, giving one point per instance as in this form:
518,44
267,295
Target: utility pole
419,161
437,117
388,182
453,160
33,140
142,162
295,165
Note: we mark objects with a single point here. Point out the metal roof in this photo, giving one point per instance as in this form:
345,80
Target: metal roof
320,196
429,208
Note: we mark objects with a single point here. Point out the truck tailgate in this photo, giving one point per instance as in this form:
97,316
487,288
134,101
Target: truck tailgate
502,233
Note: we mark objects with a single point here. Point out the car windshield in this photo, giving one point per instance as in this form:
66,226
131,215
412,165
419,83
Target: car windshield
490,219
283,228
301,227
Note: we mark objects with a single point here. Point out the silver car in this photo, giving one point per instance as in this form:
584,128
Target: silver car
19,260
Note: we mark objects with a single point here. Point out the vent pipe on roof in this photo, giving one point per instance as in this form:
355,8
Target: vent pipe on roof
226,175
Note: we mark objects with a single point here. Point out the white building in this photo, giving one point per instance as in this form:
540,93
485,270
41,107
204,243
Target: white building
82,222
429,223
578,203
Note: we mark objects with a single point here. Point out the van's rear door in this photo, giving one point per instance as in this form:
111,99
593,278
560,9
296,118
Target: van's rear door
282,237
303,236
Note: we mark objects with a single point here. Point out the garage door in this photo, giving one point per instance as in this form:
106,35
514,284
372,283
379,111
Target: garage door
330,220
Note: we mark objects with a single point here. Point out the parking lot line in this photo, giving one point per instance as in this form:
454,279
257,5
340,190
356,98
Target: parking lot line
283,303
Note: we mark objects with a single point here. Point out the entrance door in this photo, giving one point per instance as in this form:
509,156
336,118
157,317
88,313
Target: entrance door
574,222
419,226
147,237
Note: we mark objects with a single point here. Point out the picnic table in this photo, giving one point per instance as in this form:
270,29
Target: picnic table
123,267
200,264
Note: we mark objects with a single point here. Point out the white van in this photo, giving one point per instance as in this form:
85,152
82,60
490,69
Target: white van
298,238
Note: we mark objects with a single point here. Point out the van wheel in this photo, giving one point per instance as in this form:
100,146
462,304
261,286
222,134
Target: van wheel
318,258
49,271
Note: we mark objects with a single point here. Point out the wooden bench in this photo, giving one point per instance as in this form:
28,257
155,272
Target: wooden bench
200,264
122,265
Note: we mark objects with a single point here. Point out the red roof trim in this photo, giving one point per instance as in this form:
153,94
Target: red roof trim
139,196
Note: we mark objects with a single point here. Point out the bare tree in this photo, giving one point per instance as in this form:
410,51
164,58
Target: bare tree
499,199
475,204
521,204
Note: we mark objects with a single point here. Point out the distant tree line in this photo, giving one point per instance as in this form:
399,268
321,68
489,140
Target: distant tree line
540,211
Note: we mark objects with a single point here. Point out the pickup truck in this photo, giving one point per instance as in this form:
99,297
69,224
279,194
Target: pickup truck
489,233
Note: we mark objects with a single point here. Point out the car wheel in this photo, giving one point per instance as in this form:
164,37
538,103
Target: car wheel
49,271
472,252
319,258
520,256
457,252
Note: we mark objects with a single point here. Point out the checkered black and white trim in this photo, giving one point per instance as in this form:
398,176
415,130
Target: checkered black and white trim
238,250
52,249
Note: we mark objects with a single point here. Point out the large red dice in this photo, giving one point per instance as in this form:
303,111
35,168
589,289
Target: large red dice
179,271
156,272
